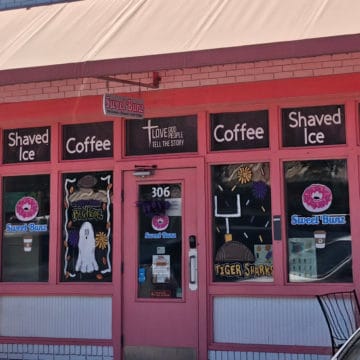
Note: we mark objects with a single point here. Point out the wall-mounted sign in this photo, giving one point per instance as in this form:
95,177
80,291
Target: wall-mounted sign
240,130
314,126
26,145
161,135
122,106
86,141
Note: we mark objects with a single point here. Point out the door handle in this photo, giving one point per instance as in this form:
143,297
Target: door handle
277,227
193,263
193,269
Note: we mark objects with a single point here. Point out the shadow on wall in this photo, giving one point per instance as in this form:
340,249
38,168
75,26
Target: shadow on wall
16,4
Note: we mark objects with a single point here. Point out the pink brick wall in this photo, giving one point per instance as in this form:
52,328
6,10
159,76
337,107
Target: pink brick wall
190,77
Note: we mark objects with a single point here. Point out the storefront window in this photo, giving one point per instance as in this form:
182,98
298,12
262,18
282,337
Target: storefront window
87,230
160,241
318,221
26,209
242,222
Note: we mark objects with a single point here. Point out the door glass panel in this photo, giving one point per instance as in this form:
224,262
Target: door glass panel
242,222
318,221
159,240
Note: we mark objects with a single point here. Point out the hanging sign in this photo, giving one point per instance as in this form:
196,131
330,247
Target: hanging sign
86,141
161,135
240,130
122,106
26,145
314,126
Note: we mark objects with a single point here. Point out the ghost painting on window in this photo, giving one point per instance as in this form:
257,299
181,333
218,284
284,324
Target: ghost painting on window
86,261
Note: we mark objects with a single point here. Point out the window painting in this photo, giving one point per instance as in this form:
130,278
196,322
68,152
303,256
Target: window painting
87,230
242,222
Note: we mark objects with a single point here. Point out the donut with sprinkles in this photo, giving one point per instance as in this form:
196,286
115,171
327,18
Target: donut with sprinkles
317,198
26,208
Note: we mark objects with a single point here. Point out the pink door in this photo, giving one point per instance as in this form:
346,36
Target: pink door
160,304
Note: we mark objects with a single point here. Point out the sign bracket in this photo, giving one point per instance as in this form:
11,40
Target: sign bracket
154,85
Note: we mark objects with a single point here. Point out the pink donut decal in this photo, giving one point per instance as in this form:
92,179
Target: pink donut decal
160,222
26,208
317,198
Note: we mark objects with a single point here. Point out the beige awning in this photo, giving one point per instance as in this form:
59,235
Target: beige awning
102,37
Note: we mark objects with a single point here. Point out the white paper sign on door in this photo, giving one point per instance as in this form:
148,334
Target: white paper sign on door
161,268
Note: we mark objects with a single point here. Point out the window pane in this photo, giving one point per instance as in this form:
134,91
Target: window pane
160,245
26,209
318,220
87,228
242,222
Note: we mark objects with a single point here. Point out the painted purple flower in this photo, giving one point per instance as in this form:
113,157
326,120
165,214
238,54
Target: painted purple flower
259,189
152,208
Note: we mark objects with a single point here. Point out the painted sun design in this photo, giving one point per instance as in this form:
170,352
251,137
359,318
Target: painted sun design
101,240
244,175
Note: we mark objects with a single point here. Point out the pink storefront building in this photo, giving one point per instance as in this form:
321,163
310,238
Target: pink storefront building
179,180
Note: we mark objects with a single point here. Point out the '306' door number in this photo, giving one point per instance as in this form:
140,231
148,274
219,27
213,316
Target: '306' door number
160,191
